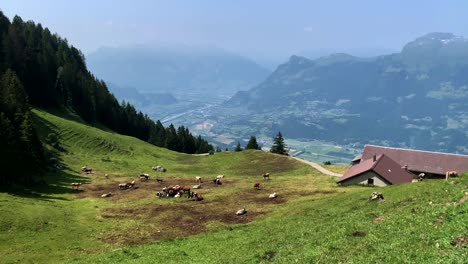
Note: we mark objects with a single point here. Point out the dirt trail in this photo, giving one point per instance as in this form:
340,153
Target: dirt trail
318,167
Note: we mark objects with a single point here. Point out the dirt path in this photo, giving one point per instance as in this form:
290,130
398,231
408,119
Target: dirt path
318,167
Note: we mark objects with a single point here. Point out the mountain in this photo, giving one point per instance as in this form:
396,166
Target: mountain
176,69
414,98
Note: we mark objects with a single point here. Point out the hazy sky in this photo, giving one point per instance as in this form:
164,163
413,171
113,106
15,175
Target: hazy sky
261,29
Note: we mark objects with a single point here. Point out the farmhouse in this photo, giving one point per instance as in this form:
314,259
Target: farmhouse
413,162
378,171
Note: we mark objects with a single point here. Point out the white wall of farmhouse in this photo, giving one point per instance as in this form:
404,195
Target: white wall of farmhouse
363,179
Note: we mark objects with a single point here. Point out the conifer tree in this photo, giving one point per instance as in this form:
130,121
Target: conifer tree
252,144
238,147
278,146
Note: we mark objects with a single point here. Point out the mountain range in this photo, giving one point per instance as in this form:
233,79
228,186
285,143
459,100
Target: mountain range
414,98
177,69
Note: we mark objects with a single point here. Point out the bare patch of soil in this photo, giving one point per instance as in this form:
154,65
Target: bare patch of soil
379,219
462,200
439,220
169,221
459,241
359,233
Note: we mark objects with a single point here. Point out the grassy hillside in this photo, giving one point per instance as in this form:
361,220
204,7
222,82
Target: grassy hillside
312,220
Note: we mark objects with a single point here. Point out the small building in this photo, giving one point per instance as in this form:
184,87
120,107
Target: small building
433,164
378,171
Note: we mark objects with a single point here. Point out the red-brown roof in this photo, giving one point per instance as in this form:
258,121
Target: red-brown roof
421,161
385,167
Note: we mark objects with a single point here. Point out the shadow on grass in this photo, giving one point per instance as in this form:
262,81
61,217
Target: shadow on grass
56,179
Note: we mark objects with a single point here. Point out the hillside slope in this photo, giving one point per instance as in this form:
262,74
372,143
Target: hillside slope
313,220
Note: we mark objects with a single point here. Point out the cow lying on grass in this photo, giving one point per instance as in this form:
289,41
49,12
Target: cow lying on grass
128,185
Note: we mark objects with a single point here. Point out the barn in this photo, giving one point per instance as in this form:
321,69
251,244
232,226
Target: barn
380,170
433,164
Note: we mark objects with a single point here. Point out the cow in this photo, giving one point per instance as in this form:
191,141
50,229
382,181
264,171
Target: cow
198,179
76,185
106,195
185,189
241,212
217,181
376,196
256,185
220,177
449,174
273,195
266,176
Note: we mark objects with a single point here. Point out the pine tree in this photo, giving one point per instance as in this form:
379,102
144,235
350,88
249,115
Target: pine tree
278,145
252,144
238,147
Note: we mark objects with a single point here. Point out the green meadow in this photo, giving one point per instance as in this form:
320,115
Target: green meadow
312,221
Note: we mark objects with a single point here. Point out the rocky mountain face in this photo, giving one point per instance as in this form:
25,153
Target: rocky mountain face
416,98
176,69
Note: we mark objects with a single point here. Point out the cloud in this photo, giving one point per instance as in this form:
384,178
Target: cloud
109,23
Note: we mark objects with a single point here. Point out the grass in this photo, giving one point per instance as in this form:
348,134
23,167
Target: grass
312,220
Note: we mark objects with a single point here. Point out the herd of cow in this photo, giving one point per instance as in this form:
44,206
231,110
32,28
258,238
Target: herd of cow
175,190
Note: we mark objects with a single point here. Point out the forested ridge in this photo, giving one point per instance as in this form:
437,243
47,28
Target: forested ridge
41,69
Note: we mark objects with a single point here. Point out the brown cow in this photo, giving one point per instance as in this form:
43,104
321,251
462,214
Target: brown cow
449,174
257,186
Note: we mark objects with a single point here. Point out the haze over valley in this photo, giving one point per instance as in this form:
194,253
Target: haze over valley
157,131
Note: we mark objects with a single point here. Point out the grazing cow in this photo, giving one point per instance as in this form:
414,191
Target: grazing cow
158,168
160,194
241,212
266,176
199,197
421,176
106,195
273,195
198,186
106,175
122,186
217,181
76,185
142,178
376,196
220,177
198,179
257,186
449,174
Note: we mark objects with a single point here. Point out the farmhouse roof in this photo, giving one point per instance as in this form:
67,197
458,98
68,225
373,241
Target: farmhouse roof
420,161
384,166
357,158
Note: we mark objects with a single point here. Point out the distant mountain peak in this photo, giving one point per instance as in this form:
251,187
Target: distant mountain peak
294,59
434,40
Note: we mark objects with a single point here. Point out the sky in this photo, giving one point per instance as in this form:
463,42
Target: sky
262,29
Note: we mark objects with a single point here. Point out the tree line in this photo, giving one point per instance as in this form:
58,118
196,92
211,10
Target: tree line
278,147
41,69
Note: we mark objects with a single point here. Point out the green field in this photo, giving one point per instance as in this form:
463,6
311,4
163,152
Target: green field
312,221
